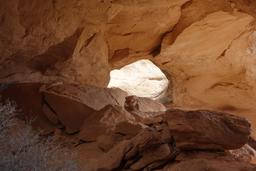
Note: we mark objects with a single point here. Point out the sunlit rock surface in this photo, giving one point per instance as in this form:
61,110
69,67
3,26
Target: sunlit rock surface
141,78
212,63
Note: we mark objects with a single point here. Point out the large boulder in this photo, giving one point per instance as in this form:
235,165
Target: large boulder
74,104
108,121
92,96
207,130
149,149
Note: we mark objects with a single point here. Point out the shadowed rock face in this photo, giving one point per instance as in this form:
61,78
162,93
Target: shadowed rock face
206,48
192,128
207,161
129,132
77,40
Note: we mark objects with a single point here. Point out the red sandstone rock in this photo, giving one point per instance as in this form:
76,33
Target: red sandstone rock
201,161
146,149
207,129
29,102
50,114
71,113
94,97
110,119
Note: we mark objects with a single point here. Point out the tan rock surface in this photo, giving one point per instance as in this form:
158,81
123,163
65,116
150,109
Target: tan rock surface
76,40
192,12
142,104
212,64
206,48
137,26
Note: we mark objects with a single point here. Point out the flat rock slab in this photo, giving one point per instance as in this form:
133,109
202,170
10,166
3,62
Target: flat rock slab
92,96
207,129
71,113
109,120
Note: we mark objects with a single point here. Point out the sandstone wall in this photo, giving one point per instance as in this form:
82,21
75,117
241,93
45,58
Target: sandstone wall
206,47
76,40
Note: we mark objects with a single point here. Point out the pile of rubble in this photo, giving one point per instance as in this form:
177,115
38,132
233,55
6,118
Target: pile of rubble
134,133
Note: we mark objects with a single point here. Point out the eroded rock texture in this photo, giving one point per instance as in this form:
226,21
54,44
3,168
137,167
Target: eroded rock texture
111,131
78,39
212,64
207,48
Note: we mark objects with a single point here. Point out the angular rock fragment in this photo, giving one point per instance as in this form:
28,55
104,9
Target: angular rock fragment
93,97
147,149
73,104
71,113
109,120
151,155
245,153
143,104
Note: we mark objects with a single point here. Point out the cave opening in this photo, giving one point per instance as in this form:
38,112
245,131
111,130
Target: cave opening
141,78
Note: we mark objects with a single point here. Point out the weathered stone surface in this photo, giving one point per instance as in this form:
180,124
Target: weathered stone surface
147,149
77,40
209,55
106,121
245,153
77,108
106,142
252,142
89,63
71,113
207,130
142,104
49,113
211,63
152,155
202,161
192,12
137,26
245,5
92,96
